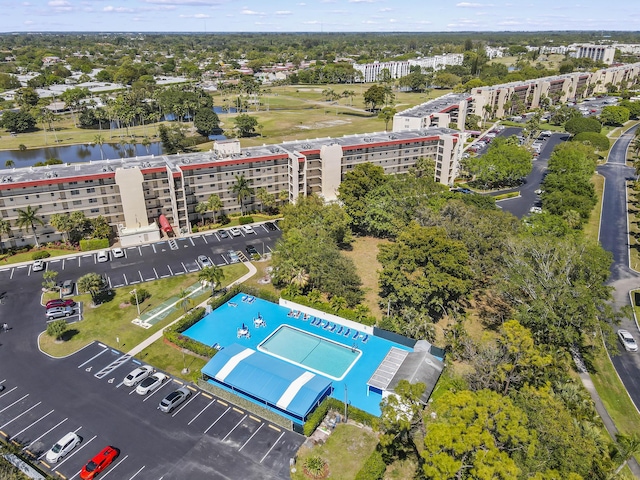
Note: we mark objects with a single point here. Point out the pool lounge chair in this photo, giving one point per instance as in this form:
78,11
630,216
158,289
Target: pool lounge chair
364,338
232,304
316,322
251,299
296,314
244,298
327,326
333,327
356,335
347,332
339,332
306,317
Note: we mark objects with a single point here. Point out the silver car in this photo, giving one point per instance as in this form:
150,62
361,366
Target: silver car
137,375
62,447
627,340
172,401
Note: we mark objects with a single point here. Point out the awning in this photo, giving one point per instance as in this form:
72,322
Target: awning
164,224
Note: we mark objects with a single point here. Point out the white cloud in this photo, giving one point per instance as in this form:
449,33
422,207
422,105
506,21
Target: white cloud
197,15
472,5
196,3
246,11
360,1
386,9
312,22
60,5
112,9
28,22
284,12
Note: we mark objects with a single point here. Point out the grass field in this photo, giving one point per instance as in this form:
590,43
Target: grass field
28,256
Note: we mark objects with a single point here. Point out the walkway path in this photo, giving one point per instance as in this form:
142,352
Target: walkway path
156,336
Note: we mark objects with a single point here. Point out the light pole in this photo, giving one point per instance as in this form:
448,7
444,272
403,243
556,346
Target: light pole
135,292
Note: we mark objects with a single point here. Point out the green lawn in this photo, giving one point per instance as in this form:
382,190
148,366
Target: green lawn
345,451
27,256
172,360
110,322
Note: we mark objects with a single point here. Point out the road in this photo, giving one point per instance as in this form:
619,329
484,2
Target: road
45,398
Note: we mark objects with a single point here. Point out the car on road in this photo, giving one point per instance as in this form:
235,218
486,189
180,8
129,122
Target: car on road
62,447
627,340
98,463
117,252
251,250
233,256
38,265
539,191
204,261
137,375
67,287
247,229
58,312
223,234
60,302
102,256
271,226
172,401
235,232
151,383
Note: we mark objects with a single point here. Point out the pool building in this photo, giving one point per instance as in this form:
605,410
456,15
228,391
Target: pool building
287,357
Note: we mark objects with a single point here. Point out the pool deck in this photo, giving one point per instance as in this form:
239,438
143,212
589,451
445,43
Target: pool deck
222,328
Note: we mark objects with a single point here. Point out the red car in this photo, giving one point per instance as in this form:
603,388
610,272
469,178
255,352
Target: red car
60,302
99,463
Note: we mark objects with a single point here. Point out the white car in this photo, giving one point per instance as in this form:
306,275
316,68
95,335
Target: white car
535,210
102,256
62,447
627,340
235,232
204,261
247,229
137,375
151,383
117,252
37,266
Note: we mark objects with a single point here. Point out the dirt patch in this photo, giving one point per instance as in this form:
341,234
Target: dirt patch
327,124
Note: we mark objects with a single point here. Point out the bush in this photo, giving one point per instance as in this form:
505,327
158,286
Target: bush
245,220
56,329
329,403
94,244
173,334
583,124
141,295
40,255
373,468
596,140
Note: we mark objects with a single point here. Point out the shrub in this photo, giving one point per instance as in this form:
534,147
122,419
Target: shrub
315,467
329,403
40,255
173,334
141,295
56,329
373,468
94,244
596,140
583,124
245,220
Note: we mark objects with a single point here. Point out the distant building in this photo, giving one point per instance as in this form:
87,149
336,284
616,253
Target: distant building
372,72
46,61
597,53
438,62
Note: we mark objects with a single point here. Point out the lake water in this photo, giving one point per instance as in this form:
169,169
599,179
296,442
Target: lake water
76,153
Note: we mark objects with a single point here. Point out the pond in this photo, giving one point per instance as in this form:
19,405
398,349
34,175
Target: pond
77,153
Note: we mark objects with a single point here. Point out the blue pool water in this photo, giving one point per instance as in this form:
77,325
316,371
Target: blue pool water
221,327
309,351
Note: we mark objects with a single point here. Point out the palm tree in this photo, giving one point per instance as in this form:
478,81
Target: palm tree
202,208
300,278
62,222
215,205
213,275
635,145
626,447
338,303
99,140
185,301
29,218
241,190
92,283
5,228
9,163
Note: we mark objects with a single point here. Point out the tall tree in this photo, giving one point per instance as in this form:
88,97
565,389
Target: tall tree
386,115
241,190
28,217
212,275
5,228
215,205
92,283
62,222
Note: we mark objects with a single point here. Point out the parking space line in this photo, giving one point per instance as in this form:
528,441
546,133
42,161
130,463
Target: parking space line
95,356
8,391
126,282
48,431
185,268
274,428
202,411
141,278
221,415
249,439
9,406
109,279
185,404
154,271
15,418
84,444
239,411
147,397
206,395
223,403
231,431
137,472
192,244
153,245
115,466
27,428
269,451
255,418
171,271
205,240
140,251
11,276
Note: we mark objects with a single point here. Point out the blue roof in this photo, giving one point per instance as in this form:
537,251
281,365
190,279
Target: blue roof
275,382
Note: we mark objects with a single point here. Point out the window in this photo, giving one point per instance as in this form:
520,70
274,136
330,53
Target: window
93,200
91,190
75,192
95,210
77,202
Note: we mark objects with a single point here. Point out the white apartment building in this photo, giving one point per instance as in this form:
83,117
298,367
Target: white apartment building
373,72
133,193
597,53
438,62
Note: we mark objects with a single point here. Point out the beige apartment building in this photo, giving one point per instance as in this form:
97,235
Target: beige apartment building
133,193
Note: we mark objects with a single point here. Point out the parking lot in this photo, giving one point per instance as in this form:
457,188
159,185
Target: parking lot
205,437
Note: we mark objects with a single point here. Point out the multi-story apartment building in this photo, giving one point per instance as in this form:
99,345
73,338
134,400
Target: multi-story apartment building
133,193
372,72
449,111
438,62
597,53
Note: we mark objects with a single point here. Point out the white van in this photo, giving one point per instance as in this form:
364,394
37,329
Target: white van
62,447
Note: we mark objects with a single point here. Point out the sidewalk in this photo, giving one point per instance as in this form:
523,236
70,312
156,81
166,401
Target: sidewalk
156,336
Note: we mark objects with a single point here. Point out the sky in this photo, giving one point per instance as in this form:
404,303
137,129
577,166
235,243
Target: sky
316,15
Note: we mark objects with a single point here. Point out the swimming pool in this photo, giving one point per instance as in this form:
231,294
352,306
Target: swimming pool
317,354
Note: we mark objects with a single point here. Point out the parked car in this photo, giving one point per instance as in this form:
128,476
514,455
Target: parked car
271,226
58,312
67,287
137,375
151,383
233,256
251,250
62,447
204,261
102,256
38,265
247,229
172,401
235,232
535,210
117,252
60,302
627,340
223,234
98,463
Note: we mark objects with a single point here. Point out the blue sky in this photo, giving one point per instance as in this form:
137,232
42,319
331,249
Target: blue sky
316,15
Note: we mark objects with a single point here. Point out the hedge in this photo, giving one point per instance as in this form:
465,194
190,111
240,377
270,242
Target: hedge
596,140
373,468
94,244
245,220
174,334
326,307
40,255
355,414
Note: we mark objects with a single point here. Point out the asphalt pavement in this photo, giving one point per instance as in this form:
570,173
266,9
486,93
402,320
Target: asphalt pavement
44,398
